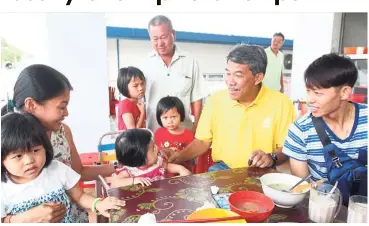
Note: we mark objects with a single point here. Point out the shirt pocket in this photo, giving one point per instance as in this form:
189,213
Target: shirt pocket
185,85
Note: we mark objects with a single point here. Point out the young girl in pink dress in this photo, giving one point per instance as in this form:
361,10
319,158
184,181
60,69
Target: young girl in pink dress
136,151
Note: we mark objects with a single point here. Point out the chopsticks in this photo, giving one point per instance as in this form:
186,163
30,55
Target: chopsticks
203,220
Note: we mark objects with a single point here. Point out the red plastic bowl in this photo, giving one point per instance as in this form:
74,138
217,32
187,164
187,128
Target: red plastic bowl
254,206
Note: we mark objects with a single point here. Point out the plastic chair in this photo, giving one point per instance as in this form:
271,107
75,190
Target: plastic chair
204,162
90,158
101,192
105,155
107,148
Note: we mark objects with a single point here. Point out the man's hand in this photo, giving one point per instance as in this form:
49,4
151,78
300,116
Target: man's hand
259,159
173,157
193,150
168,155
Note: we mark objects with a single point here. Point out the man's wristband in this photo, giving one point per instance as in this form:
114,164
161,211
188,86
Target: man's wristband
275,160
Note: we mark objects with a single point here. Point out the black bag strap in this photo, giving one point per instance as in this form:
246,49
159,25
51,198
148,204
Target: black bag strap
319,127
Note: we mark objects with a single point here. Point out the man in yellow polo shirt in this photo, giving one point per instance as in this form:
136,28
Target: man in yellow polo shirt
246,124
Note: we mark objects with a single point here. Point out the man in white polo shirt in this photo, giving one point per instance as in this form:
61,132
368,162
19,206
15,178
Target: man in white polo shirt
274,73
171,71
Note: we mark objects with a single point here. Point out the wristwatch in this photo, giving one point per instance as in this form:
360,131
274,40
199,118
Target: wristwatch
275,160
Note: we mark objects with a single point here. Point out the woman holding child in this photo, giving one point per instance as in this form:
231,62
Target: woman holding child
45,93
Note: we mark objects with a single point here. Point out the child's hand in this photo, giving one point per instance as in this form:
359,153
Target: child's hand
178,169
184,172
108,204
141,106
142,180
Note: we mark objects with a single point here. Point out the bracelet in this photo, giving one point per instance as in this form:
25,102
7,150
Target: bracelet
93,208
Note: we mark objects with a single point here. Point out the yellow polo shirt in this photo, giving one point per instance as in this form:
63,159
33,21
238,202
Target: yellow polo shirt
236,130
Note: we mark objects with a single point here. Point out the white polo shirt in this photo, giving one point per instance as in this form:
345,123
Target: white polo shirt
272,78
181,78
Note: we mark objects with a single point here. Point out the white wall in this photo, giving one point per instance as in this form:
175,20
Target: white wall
76,45
313,39
112,61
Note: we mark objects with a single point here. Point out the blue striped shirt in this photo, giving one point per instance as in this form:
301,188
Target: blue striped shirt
303,143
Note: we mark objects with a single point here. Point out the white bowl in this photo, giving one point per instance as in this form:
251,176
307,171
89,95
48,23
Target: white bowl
282,199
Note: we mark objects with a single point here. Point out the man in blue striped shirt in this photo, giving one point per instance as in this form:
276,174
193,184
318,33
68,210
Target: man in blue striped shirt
329,81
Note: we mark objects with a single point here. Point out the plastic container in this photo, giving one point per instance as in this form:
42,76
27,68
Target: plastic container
254,206
214,213
355,50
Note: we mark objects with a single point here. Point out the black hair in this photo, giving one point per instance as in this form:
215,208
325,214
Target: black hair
41,83
125,75
22,131
279,34
167,103
330,70
131,147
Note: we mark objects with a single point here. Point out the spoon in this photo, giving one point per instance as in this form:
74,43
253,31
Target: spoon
303,187
302,180
334,188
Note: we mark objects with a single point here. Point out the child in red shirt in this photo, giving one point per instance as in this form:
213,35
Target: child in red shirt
170,113
131,84
136,151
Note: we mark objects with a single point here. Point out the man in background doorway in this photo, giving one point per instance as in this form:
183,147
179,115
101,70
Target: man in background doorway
274,72
171,71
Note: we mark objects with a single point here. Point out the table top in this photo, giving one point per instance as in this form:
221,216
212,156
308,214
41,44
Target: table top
176,198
